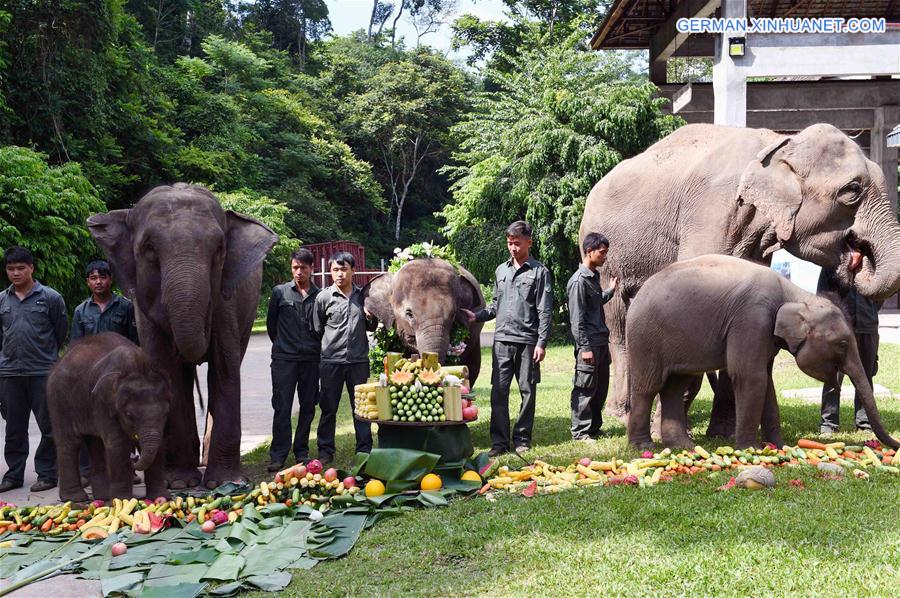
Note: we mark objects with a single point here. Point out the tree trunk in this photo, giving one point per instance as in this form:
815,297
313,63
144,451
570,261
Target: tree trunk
394,26
372,20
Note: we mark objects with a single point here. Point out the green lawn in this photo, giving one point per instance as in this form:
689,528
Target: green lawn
680,538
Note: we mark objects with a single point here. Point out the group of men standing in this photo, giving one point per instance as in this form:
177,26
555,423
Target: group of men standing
33,330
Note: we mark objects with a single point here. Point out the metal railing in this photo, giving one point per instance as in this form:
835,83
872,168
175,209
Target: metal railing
324,276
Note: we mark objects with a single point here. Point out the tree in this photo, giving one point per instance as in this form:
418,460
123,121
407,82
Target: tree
293,23
429,15
559,120
44,208
381,11
403,119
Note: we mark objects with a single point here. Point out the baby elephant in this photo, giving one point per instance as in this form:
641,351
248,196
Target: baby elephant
106,392
718,312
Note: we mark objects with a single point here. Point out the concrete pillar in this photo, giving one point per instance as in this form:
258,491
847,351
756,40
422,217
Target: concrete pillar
658,71
729,81
886,118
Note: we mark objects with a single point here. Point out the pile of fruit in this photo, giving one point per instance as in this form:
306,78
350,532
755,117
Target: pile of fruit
417,399
653,468
365,405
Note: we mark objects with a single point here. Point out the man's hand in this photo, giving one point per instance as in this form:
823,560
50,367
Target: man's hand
612,283
588,356
470,315
538,354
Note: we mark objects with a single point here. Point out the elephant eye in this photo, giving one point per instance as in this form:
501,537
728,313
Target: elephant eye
408,313
850,193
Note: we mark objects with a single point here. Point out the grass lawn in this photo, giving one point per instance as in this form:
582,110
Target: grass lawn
682,538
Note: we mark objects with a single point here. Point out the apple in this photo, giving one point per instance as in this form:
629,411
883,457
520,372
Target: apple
161,500
314,466
119,548
466,403
330,474
208,526
470,412
97,503
586,462
299,471
349,481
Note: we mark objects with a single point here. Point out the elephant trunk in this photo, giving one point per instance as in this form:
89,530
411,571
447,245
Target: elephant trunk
875,251
853,368
149,445
433,336
186,297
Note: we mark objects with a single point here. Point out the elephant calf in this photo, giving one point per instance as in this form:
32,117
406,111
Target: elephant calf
719,312
105,391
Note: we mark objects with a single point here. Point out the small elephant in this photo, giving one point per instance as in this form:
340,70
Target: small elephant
422,300
715,312
106,392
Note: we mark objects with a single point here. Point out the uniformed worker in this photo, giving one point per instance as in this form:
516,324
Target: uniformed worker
104,310
863,315
295,359
522,304
586,300
33,329
341,320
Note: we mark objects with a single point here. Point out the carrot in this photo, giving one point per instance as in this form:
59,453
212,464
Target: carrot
13,527
484,489
716,467
26,527
810,444
47,525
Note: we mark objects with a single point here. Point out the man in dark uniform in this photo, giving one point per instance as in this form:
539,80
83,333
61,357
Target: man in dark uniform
586,300
103,311
32,331
341,320
522,304
863,315
295,359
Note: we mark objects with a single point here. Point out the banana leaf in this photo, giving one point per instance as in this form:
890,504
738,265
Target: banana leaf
395,465
121,583
226,568
178,590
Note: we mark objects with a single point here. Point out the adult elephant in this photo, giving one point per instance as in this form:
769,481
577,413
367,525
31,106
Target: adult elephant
746,193
194,271
423,299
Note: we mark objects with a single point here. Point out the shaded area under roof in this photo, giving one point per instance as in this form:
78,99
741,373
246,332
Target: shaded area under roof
631,24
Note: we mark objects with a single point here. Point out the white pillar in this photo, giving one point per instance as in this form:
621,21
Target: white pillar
729,81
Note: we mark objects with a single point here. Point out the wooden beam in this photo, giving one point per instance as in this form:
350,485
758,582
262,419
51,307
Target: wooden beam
667,39
793,120
618,9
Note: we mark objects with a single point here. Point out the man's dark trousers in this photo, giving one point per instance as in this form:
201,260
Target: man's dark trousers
513,359
23,395
831,397
288,377
589,388
334,377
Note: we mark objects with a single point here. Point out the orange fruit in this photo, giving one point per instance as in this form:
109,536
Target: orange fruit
431,482
374,488
470,475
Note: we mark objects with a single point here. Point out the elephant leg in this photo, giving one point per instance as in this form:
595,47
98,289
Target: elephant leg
723,417
155,478
118,467
639,420
690,393
182,442
99,477
618,403
673,427
224,461
750,390
68,448
771,419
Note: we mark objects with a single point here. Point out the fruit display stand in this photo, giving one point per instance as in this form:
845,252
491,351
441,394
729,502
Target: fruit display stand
451,440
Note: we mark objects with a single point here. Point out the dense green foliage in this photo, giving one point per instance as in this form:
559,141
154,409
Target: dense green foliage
44,209
558,122
360,137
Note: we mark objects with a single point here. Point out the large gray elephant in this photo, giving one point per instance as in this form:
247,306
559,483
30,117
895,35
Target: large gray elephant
717,311
423,300
746,193
194,271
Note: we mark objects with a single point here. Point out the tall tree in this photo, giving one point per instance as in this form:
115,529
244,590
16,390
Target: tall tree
292,23
430,15
381,12
403,119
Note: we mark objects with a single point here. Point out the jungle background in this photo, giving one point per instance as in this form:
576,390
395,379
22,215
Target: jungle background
373,137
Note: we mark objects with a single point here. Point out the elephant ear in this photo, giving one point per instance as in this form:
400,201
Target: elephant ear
247,242
470,297
107,372
113,235
377,296
791,325
771,184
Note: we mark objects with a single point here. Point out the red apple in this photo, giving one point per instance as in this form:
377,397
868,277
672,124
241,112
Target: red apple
464,390
300,471
470,413
466,403
314,466
586,462
119,548
208,526
349,481
330,474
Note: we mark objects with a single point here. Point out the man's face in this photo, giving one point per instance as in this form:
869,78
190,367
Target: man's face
518,247
100,284
19,273
598,256
301,272
342,275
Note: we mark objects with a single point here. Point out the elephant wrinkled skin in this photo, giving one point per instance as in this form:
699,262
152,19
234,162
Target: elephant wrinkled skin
194,272
105,391
746,193
717,311
422,300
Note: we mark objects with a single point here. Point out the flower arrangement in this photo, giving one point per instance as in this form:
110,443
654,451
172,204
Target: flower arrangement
421,250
